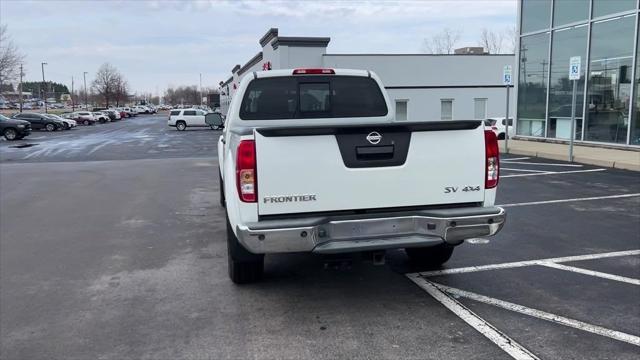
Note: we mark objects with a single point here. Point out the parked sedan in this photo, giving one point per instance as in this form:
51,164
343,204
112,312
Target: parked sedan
14,129
68,123
40,121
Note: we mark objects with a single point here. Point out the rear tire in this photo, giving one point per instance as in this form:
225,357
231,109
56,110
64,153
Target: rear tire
244,267
432,257
50,127
86,122
501,136
181,125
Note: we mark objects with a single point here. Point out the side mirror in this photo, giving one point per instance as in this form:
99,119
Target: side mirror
214,120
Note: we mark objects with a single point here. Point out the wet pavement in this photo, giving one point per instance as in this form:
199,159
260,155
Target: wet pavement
112,246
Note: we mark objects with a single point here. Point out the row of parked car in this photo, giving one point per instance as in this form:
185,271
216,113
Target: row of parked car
21,124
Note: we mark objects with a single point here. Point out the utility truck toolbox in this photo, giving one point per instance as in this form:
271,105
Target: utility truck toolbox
311,160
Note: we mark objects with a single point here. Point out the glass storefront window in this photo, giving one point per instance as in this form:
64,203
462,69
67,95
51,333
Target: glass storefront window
535,15
606,7
635,124
570,11
609,85
566,44
532,84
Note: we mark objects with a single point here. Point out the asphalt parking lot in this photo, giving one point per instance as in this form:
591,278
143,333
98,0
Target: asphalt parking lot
140,137
112,246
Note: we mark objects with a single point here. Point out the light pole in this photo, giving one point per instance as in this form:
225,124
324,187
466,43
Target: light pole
73,105
200,89
84,75
44,91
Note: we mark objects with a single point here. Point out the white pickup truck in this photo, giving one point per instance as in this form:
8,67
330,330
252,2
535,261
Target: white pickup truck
311,160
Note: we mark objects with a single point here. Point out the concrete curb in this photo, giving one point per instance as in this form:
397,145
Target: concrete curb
578,159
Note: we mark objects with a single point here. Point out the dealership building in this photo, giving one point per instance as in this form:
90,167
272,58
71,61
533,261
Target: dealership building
421,87
604,34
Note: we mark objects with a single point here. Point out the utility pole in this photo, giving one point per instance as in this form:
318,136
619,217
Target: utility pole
200,89
20,92
44,92
84,75
73,105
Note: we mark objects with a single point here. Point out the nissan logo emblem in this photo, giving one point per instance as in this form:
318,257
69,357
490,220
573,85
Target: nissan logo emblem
374,137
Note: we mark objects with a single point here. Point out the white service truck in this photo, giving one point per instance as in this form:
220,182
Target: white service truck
312,160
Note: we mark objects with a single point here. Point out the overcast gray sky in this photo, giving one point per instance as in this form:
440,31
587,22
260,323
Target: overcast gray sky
160,43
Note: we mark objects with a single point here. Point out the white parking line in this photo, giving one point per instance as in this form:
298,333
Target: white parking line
544,164
599,274
515,159
499,338
576,324
554,173
517,264
524,170
570,200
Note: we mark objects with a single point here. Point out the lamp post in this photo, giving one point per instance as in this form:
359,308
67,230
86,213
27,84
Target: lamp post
200,89
73,104
84,75
44,91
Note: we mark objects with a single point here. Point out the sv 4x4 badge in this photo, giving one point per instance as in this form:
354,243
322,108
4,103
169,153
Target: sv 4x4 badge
452,189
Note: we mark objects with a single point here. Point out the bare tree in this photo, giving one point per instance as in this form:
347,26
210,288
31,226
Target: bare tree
511,35
185,94
121,90
443,42
106,82
10,57
491,41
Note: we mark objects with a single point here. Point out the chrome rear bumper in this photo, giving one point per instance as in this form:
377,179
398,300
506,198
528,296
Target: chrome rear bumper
376,232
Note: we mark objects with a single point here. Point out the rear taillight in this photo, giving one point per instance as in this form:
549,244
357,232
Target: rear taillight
246,174
492,163
313,72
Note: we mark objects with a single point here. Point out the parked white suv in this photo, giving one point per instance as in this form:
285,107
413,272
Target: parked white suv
84,117
499,126
141,109
312,160
183,118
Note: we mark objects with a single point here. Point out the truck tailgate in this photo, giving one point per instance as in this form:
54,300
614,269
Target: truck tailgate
367,167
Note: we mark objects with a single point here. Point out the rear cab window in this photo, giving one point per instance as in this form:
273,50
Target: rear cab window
300,97
175,113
